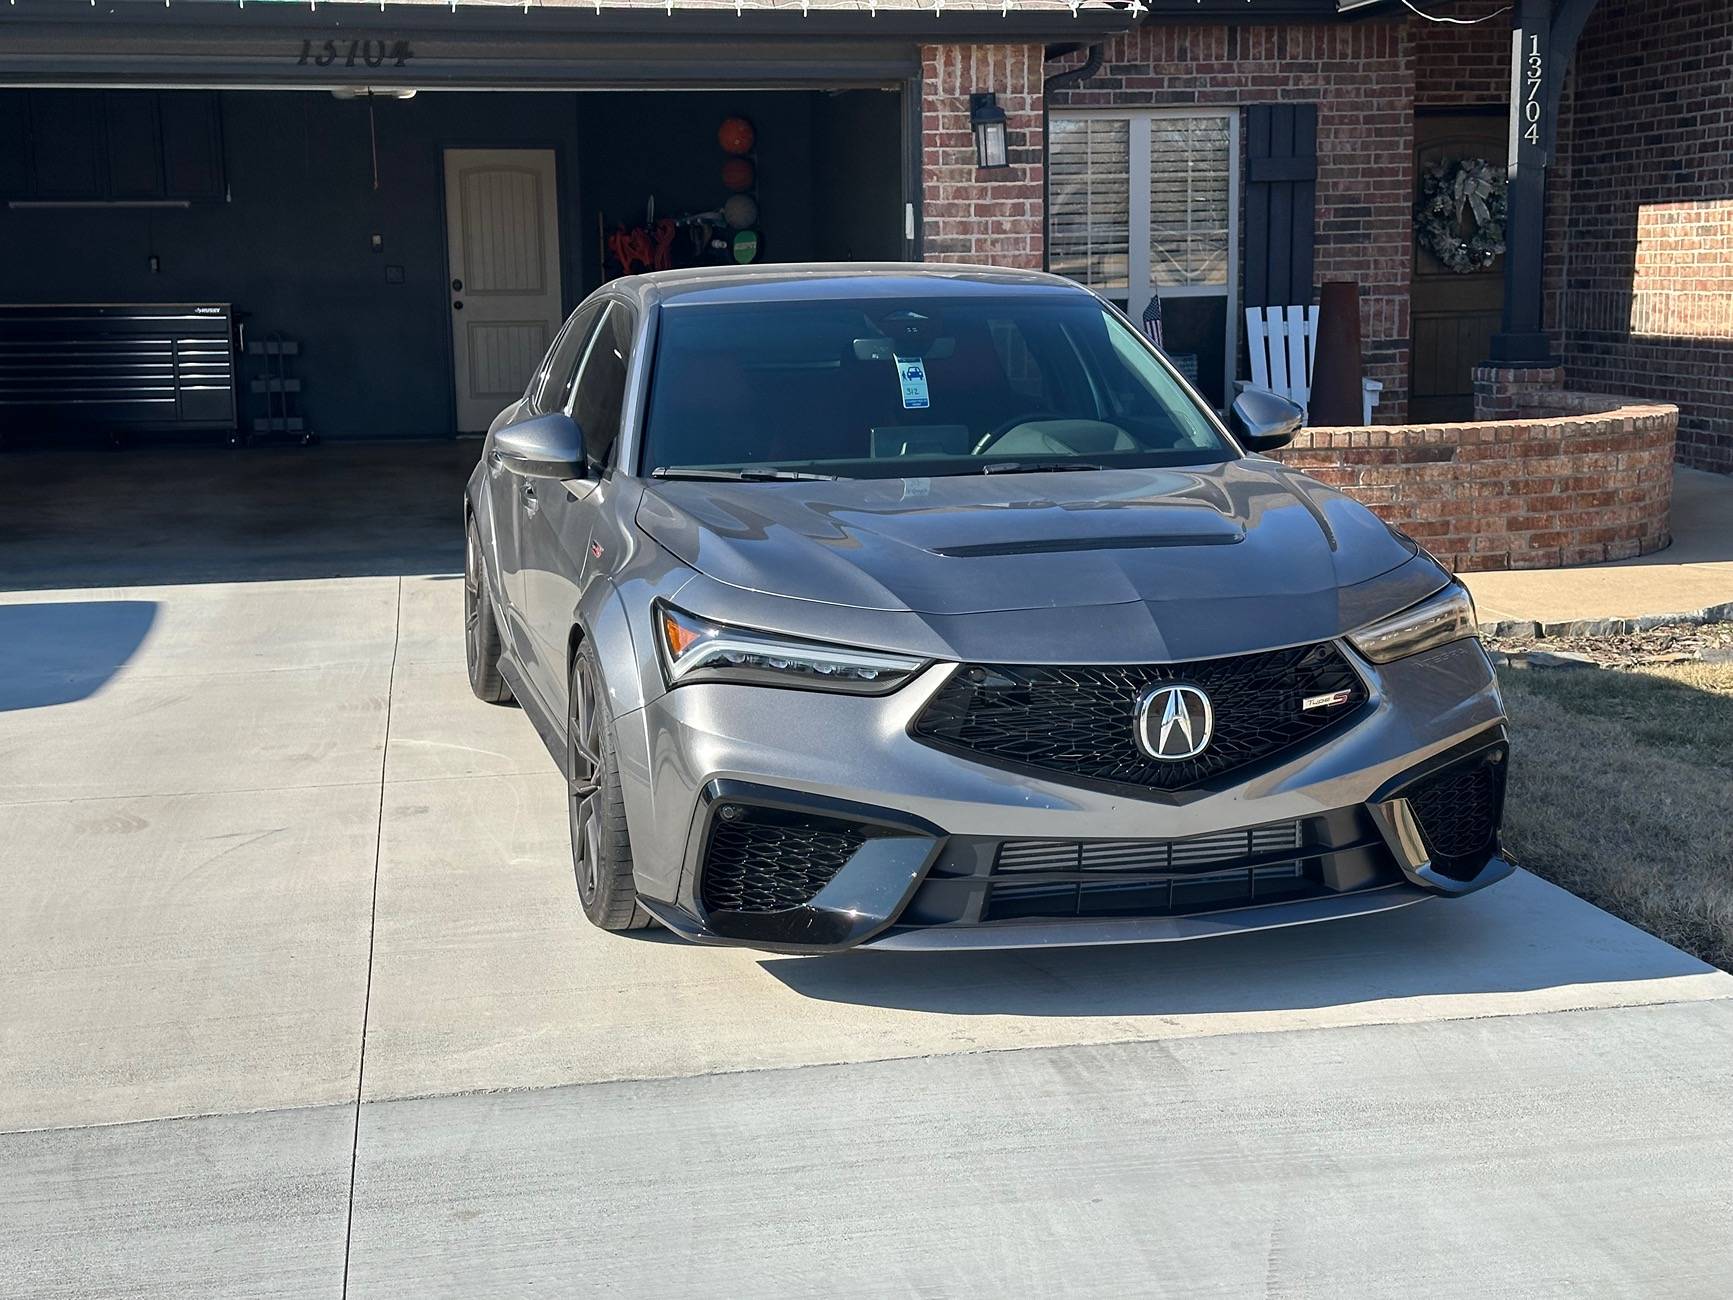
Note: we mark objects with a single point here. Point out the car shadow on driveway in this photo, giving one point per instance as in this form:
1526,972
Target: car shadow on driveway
1520,938
56,652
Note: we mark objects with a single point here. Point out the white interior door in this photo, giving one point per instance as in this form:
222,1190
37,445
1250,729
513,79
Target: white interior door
502,233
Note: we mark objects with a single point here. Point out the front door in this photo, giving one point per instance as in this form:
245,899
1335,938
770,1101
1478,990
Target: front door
1454,314
502,237
561,547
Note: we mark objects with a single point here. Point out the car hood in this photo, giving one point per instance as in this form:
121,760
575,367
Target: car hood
984,543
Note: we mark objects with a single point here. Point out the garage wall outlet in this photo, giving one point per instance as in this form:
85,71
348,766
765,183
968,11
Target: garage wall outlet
155,263
377,242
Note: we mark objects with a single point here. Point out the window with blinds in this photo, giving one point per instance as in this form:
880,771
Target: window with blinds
1089,202
1143,204
1188,200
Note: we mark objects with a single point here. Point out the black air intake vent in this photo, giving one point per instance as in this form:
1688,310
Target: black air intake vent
767,860
1458,811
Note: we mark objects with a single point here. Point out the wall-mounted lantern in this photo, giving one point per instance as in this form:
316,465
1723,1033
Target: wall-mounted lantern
988,121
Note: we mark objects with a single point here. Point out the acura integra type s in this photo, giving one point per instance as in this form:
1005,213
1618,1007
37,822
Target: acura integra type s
929,607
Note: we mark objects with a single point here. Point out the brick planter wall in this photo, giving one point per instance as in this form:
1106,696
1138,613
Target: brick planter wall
1508,392
1590,484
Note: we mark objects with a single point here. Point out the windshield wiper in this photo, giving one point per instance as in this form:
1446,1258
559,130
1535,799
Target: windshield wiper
747,475
1036,466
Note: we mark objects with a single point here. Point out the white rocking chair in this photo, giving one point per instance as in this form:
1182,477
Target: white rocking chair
1283,342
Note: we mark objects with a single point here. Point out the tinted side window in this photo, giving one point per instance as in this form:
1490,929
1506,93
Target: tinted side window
601,391
554,384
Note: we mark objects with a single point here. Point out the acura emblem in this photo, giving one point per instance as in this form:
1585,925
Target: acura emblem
1174,722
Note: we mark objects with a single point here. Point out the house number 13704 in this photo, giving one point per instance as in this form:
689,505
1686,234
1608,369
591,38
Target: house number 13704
370,53
1534,74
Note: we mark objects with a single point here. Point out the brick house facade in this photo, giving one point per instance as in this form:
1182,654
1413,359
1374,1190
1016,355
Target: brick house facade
1639,258
1360,75
1647,259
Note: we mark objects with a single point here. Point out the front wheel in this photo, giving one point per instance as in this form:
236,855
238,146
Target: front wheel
601,847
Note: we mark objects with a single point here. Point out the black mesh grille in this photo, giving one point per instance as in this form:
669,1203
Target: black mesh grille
769,861
1080,721
1458,811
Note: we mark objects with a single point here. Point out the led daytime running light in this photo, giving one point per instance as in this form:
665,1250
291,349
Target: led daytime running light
694,650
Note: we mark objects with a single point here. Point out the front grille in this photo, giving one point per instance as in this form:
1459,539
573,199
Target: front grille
1458,811
1080,722
1052,878
766,860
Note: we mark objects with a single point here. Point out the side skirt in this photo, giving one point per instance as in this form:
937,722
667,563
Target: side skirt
553,733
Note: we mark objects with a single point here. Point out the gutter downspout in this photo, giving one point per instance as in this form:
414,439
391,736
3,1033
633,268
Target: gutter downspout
1071,76
1059,81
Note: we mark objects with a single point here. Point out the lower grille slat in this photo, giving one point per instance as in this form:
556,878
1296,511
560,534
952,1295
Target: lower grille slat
1148,877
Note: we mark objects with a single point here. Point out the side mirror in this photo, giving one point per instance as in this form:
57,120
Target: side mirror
1266,420
549,446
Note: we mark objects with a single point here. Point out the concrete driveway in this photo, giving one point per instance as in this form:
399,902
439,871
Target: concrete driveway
298,1001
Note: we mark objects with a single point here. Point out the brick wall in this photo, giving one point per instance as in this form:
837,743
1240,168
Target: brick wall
1361,76
1575,488
1649,248
1505,392
968,214
1456,66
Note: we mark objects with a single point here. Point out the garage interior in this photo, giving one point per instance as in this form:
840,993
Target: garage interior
393,262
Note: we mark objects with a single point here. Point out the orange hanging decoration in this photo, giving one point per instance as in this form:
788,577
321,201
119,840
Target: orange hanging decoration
736,136
737,174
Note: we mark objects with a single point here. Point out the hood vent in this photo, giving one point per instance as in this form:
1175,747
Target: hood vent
1046,546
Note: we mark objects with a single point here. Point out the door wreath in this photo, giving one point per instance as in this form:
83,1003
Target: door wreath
1460,216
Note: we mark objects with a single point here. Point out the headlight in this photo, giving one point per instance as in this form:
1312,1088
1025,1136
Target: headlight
1446,615
695,650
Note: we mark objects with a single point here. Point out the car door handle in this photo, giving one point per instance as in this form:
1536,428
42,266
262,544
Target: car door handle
531,505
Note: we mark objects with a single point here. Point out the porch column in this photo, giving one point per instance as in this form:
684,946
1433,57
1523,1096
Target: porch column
1543,38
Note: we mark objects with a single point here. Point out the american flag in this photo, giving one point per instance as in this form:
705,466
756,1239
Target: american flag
1152,322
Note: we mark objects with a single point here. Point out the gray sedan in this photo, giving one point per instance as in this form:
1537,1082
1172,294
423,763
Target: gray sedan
929,607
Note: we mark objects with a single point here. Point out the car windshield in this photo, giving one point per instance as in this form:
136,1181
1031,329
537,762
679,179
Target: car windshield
892,388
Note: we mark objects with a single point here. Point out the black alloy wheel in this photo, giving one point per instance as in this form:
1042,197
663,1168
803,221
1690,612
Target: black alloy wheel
596,809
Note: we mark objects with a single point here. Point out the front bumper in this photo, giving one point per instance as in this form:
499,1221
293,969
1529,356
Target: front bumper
923,868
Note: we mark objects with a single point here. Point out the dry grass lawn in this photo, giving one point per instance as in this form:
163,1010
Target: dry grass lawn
1622,792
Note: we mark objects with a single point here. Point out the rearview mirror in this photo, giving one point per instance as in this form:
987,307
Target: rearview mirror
1266,420
549,446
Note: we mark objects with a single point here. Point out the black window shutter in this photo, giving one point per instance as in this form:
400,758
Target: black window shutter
1281,203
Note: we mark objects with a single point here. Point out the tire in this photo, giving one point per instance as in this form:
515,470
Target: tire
596,810
481,645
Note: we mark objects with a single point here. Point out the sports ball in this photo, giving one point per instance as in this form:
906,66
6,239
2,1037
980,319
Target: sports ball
741,211
736,136
737,174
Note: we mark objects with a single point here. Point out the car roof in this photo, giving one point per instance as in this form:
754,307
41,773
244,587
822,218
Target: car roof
818,281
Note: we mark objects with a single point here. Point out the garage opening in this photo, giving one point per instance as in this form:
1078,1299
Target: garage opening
348,264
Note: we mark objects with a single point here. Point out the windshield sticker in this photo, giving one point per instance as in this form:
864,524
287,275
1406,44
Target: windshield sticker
912,374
